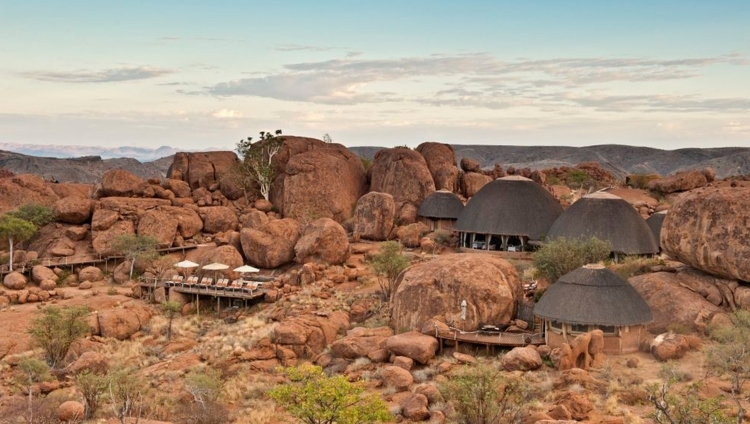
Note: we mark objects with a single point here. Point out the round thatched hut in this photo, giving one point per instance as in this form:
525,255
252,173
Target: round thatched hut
606,217
654,223
440,210
507,214
590,298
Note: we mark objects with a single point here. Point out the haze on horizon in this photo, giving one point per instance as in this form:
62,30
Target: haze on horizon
195,75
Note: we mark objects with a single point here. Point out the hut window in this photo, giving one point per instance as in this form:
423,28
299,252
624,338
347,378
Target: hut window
608,329
579,328
555,326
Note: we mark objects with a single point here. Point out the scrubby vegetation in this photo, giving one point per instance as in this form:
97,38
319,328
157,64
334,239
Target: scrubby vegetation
562,255
388,264
56,329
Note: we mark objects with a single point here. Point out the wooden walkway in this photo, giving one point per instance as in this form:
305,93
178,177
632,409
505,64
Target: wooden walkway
218,293
488,339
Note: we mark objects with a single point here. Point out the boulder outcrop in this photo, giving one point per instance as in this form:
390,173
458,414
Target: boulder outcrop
122,323
404,174
308,335
14,281
441,161
708,230
273,244
160,225
472,182
522,359
217,219
374,216
489,284
323,240
200,169
73,210
102,240
119,182
681,181
413,344
360,342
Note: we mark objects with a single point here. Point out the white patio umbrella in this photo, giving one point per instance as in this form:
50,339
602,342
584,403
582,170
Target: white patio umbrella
246,269
185,265
215,267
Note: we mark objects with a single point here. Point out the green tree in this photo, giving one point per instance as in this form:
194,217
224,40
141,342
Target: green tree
33,371
256,165
388,263
577,178
171,310
484,395
314,398
37,214
15,230
92,387
56,329
562,255
686,407
135,247
126,392
731,355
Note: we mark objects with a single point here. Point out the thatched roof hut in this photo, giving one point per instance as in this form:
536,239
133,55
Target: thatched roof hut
606,217
510,206
441,204
654,223
593,295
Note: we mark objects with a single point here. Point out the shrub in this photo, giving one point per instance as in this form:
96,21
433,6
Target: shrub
205,387
686,407
562,255
314,398
388,264
483,395
56,329
171,310
126,393
92,387
577,178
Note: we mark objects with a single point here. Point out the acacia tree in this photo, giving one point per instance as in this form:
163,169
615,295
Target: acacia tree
34,371
731,355
56,329
388,264
37,214
171,309
15,230
135,247
255,166
314,398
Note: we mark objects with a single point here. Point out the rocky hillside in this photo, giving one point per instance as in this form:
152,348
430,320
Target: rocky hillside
86,169
617,159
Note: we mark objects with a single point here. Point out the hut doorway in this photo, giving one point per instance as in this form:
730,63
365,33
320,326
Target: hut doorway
581,361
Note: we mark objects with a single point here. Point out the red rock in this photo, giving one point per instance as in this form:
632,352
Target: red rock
272,245
410,235
669,346
201,169
578,405
323,240
218,219
522,359
470,165
73,210
70,412
178,187
40,273
90,273
403,173
681,181
463,358
472,182
396,377
360,342
417,346
90,361
103,219
14,281
374,216
489,284
160,225
414,407
102,240
119,182
403,362
254,219
441,161
707,229
122,323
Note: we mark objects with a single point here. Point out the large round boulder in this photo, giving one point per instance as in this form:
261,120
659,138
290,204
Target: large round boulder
472,182
102,240
441,161
70,411
403,173
14,281
160,225
226,254
199,169
522,359
90,273
189,223
322,183
273,244
323,240
374,216
414,345
40,273
217,219
73,210
119,182
708,230
671,302
681,181
489,285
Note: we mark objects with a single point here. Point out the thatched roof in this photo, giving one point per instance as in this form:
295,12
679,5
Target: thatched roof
514,206
593,295
606,217
655,222
441,204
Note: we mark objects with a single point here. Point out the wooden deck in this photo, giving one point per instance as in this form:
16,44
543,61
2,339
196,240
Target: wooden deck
488,339
198,290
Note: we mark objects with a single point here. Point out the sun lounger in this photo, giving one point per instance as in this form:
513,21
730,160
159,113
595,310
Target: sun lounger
221,284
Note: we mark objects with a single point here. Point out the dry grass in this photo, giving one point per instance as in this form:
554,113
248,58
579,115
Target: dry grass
260,411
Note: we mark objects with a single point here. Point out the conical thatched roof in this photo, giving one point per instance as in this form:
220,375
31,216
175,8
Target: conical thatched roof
441,204
654,222
606,217
593,295
515,206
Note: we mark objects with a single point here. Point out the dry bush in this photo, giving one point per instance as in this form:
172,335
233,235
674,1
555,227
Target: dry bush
259,411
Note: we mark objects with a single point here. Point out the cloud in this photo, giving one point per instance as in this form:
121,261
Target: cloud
300,47
227,114
106,75
474,80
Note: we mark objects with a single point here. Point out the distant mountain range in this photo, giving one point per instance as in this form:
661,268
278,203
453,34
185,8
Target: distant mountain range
87,164
142,154
618,159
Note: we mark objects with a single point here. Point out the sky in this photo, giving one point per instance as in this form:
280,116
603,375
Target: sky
203,75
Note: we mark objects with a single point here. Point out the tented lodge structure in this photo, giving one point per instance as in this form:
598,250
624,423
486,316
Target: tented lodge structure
590,298
606,217
509,213
440,210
